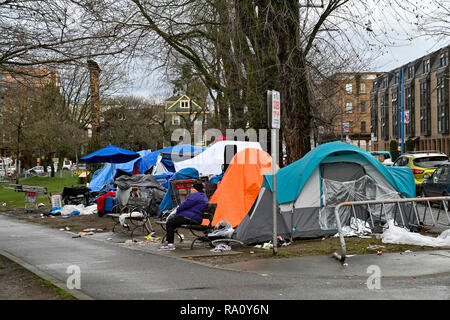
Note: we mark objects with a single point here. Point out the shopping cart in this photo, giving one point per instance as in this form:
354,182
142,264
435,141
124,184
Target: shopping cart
180,189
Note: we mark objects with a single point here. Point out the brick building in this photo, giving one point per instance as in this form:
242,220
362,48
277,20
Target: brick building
425,99
348,104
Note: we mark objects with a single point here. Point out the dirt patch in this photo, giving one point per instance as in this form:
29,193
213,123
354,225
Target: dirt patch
17,283
75,223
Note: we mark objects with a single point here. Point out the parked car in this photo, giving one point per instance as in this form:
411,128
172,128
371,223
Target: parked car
383,156
36,170
421,164
67,165
438,184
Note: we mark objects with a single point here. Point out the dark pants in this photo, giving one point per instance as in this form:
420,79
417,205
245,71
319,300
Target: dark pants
173,223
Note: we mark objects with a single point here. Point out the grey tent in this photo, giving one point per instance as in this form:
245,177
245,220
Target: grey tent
310,188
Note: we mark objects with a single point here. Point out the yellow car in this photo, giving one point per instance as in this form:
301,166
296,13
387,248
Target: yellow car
421,163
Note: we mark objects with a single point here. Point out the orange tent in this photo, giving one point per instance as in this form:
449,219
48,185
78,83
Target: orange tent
240,185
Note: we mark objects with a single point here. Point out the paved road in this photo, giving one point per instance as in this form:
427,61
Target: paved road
112,271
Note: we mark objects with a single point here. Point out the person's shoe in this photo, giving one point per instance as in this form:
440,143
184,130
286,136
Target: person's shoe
167,247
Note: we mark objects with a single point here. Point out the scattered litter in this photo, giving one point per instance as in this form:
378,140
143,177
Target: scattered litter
414,277
85,233
150,238
67,228
356,228
375,247
345,264
77,236
4,204
64,217
258,246
89,229
80,209
445,234
221,247
39,205
252,251
267,245
109,239
408,251
62,229
99,230
398,235
379,253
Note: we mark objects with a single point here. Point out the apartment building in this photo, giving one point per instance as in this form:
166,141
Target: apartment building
423,94
348,106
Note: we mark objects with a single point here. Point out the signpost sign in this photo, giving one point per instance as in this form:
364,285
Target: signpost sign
406,117
274,121
346,126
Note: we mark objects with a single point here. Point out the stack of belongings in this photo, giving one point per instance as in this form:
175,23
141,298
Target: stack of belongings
145,185
76,195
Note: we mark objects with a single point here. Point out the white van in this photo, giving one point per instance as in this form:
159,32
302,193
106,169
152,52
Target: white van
67,165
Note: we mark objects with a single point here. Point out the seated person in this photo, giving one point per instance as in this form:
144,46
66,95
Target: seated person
191,210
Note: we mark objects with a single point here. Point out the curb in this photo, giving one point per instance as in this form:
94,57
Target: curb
76,293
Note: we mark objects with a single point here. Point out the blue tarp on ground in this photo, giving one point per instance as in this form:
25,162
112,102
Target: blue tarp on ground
149,160
106,174
291,179
186,173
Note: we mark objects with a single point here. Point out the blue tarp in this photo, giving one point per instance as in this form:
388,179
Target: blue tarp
149,160
186,173
291,179
106,174
110,154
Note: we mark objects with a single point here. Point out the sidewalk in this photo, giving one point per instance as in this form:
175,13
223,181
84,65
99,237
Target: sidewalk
114,271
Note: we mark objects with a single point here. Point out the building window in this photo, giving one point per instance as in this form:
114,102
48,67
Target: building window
363,127
384,116
410,72
374,114
425,108
363,107
442,107
349,88
349,107
362,88
426,66
443,59
385,82
409,105
184,104
175,119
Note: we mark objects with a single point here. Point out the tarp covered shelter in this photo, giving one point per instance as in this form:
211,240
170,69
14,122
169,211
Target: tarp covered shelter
211,160
310,188
146,184
108,173
162,161
240,185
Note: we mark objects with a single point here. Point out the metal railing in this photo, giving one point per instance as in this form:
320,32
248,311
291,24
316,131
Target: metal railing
379,219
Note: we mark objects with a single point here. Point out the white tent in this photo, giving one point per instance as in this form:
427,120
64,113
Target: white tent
210,161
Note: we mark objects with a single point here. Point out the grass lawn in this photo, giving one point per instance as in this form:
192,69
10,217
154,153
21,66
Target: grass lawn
54,186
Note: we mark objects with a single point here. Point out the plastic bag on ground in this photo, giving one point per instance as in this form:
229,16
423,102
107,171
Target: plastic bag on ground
222,230
398,235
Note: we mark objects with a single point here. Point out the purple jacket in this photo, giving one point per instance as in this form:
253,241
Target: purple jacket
193,207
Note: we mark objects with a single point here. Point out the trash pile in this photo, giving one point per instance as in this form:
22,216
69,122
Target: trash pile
398,235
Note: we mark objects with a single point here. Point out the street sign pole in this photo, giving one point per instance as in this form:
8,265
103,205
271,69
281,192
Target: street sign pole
274,119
